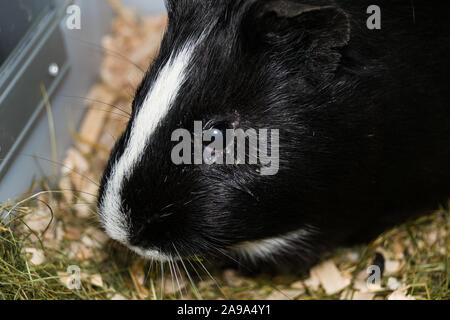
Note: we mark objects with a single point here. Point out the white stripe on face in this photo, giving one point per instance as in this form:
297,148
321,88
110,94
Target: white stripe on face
155,107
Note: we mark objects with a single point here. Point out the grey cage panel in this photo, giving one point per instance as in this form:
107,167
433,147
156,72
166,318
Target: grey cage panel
30,41
84,56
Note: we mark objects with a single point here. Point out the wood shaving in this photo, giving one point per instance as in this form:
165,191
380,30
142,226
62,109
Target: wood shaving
393,284
285,294
232,279
400,294
37,256
363,295
118,297
312,283
298,285
97,280
330,278
392,266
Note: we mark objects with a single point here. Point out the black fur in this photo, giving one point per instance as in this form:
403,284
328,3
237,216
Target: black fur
364,120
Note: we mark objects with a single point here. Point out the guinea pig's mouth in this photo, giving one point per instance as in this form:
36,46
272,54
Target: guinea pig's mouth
121,236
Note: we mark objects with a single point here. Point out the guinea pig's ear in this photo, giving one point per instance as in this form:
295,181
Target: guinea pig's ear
302,32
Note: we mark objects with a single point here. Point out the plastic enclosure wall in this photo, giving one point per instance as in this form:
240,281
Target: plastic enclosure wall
82,63
25,69
84,56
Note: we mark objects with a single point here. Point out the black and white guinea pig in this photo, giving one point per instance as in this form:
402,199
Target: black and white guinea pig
363,118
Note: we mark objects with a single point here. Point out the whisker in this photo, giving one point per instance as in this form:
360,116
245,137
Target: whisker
63,166
177,268
195,269
172,276
112,136
96,101
108,51
176,277
150,277
163,284
188,275
231,258
107,111
209,274
150,269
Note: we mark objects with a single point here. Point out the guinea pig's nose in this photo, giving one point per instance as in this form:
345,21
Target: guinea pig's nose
137,238
146,233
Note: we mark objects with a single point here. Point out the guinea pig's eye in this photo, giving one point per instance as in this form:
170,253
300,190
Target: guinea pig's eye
220,127
216,129
214,148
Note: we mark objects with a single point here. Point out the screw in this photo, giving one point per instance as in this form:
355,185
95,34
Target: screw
53,69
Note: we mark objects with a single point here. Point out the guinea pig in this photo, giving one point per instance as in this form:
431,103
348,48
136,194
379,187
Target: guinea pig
362,117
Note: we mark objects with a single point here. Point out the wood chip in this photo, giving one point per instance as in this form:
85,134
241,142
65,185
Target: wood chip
90,190
79,251
138,276
125,13
80,164
171,285
353,256
98,236
100,99
137,271
298,285
72,233
118,297
363,295
432,237
398,250
97,280
363,286
38,220
392,266
400,294
82,210
285,294
393,284
312,283
330,277
37,256
65,184
350,294
76,167
64,278
232,279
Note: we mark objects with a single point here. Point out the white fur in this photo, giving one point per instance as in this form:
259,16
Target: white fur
152,254
264,249
155,107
